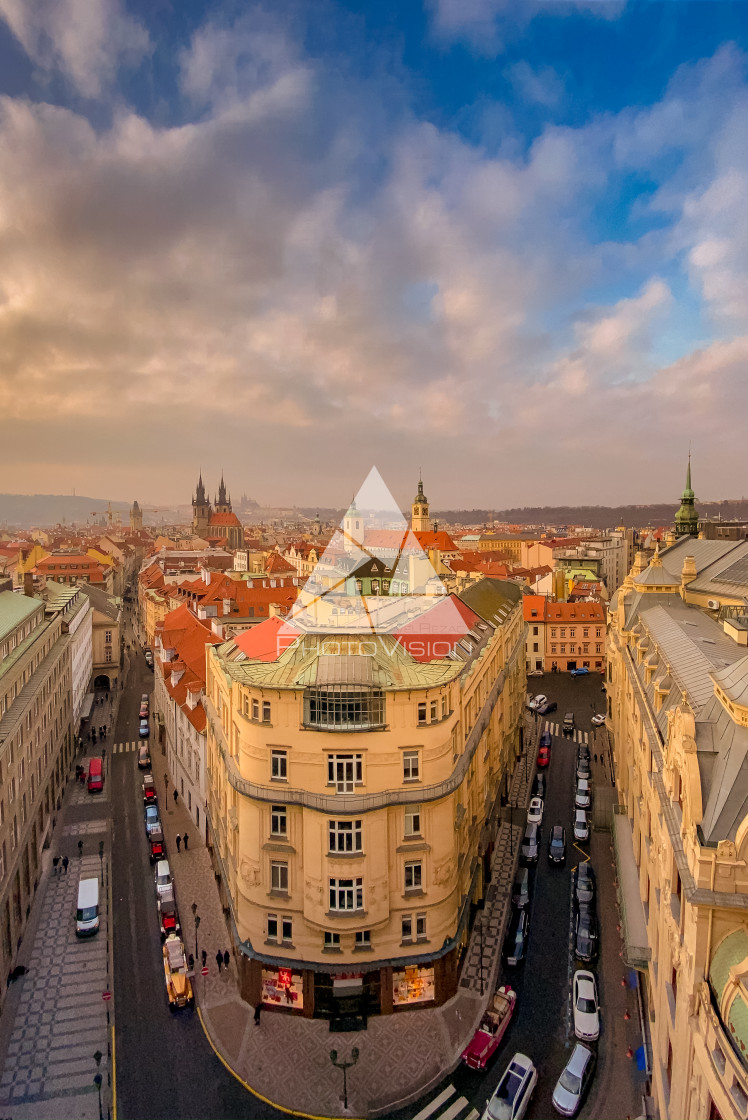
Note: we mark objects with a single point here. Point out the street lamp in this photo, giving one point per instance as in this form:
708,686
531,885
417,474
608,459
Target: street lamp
345,1066
101,858
196,916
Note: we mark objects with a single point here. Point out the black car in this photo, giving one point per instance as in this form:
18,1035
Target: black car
585,933
538,786
557,844
583,753
546,739
583,768
584,884
568,725
549,706
515,945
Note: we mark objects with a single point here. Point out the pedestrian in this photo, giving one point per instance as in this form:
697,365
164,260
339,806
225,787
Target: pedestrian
595,756
65,862
55,862
107,695
204,954
258,1009
186,839
226,960
191,963
179,841
80,848
219,960
176,796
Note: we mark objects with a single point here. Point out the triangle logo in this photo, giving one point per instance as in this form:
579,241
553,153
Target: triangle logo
374,577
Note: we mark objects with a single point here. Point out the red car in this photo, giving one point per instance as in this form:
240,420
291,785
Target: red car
158,850
544,757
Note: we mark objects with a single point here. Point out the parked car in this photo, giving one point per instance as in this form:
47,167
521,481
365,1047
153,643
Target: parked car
95,775
531,843
145,728
538,786
514,1090
574,1081
557,844
581,672
144,757
487,1039
537,701
583,768
521,888
535,673
144,711
178,983
581,827
545,740
158,848
162,879
544,757
168,915
152,820
583,795
515,944
586,1006
144,698
583,752
598,720
585,933
535,811
149,790
584,884
545,709
568,724
149,659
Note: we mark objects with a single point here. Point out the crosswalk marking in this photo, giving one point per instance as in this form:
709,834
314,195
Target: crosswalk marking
122,748
578,736
436,1103
473,1114
453,1109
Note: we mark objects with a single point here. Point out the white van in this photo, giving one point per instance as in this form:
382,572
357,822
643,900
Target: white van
87,914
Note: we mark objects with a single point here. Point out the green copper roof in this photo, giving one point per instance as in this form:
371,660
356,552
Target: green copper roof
731,951
15,609
737,1025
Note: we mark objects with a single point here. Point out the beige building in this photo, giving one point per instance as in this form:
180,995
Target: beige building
106,638
678,710
36,749
354,787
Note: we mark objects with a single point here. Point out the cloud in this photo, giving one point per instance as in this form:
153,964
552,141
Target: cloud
296,284
540,87
84,40
488,24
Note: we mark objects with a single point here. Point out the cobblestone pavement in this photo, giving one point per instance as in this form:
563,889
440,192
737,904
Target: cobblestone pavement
386,1074
61,1018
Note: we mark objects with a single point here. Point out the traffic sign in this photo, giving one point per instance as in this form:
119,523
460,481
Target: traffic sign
204,970
106,996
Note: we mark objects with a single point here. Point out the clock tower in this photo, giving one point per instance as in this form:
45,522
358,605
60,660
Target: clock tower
419,521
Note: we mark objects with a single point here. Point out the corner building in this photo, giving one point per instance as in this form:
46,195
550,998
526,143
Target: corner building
354,789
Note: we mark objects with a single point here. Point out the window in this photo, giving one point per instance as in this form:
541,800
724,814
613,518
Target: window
573,632
345,836
598,632
413,875
421,713
411,766
585,632
534,631
266,711
11,791
342,708
278,823
534,647
563,631
346,894
553,631
553,647
413,820
279,765
332,940
287,931
408,925
363,939
420,926
434,711
255,709
444,707
598,647
345,771
107,635
272,927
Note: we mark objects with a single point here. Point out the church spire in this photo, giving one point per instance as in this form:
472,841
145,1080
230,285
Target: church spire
687,519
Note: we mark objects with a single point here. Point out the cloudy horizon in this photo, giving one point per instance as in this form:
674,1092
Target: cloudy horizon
504,243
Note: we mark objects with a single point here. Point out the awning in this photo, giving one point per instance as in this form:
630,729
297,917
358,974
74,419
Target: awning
87,705
636,951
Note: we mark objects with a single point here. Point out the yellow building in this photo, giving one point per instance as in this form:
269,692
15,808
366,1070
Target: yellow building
678,710
354,784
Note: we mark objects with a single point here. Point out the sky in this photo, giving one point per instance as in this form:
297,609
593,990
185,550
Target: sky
501,241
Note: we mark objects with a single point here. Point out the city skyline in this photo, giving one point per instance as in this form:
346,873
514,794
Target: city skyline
505,244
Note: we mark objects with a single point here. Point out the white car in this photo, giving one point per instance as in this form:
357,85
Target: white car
582,798
512,1094
586,1007
574,1082
598,720
581,827
163,877
535,811
535,673
537,702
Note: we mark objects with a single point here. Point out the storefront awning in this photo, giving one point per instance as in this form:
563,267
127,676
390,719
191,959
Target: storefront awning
636,945
87,705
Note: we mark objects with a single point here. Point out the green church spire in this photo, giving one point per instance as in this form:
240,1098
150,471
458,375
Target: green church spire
687,519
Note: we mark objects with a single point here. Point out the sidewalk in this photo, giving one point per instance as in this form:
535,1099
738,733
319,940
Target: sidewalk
401,1056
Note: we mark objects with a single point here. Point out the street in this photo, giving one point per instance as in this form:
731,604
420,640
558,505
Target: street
165,1065
542,1026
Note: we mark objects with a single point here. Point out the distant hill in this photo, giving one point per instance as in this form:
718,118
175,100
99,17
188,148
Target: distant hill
597,517
29,511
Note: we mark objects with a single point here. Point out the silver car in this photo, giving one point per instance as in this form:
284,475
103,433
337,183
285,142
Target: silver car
513,1092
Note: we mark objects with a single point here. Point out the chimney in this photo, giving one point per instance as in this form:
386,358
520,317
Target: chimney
28,584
